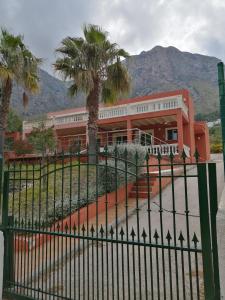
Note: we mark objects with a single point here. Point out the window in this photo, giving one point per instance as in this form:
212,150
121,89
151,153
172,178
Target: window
172,134
99,142
121,139
146,139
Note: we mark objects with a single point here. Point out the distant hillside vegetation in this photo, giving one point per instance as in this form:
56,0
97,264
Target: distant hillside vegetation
160,69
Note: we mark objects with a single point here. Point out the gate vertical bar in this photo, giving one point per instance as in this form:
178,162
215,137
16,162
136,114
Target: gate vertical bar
209,287
221,83
213,212
1,179
5,224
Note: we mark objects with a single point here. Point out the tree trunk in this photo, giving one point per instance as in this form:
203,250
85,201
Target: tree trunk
93,108
4,110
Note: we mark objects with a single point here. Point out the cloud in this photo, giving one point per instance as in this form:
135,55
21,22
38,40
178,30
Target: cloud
196,26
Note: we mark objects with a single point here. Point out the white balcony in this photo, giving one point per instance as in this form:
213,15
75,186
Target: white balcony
115,111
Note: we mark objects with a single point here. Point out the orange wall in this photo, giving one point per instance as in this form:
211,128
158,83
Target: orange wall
14,135
202,140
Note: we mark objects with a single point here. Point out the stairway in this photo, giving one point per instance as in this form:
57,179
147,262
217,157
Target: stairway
140,189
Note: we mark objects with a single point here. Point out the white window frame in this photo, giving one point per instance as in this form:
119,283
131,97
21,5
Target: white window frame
117,134
171,128
151,131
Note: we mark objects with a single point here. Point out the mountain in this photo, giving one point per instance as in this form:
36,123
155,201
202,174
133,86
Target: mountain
160,69
165,69
52,97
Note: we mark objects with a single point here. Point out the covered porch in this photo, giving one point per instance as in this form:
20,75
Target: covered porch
160,133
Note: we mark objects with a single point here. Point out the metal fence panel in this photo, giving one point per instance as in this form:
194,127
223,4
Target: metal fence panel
127,226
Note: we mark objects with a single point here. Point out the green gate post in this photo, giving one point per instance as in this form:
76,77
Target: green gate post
213,213
221,83
1,178
209,286
5,223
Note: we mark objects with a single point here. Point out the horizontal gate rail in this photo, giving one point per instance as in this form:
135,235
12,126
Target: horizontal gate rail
100,239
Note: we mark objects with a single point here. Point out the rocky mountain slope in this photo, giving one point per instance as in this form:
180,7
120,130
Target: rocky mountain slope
160,69
52,97
164,69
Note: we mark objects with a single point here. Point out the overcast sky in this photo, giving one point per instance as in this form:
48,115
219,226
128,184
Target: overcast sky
136,25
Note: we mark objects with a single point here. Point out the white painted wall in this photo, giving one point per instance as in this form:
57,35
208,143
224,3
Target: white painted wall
1,261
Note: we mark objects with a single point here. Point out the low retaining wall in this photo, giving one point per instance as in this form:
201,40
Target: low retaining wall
77,218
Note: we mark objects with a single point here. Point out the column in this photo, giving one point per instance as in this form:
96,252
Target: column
87,136
129,131
180,131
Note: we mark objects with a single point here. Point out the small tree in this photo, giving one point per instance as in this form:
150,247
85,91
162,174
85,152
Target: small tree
14,122
42,139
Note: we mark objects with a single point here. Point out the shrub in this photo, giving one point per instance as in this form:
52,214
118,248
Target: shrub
23,147
216,148
125,162
132,151
110,176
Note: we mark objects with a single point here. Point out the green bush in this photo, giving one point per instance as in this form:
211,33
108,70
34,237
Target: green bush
110,176
22,147
216,148
125,162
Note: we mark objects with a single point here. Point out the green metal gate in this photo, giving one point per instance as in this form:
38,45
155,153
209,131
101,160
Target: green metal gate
128,226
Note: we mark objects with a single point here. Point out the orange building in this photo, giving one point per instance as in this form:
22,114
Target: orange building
163,122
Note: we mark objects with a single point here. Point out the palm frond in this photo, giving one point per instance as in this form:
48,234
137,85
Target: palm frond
94,34
5,73
109,95
30,82
84,80
17,62
71,46
122,53
72,90
118,77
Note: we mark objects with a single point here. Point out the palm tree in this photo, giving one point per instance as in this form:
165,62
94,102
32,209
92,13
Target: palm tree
17,64
94,66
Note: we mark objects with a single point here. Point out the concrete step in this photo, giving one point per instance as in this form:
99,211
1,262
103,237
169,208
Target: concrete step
144,183
143,188
141,195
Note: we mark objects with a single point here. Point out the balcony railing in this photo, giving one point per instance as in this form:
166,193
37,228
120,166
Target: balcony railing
135,136
146,106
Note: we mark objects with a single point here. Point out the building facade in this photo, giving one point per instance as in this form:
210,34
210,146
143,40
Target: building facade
163,122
